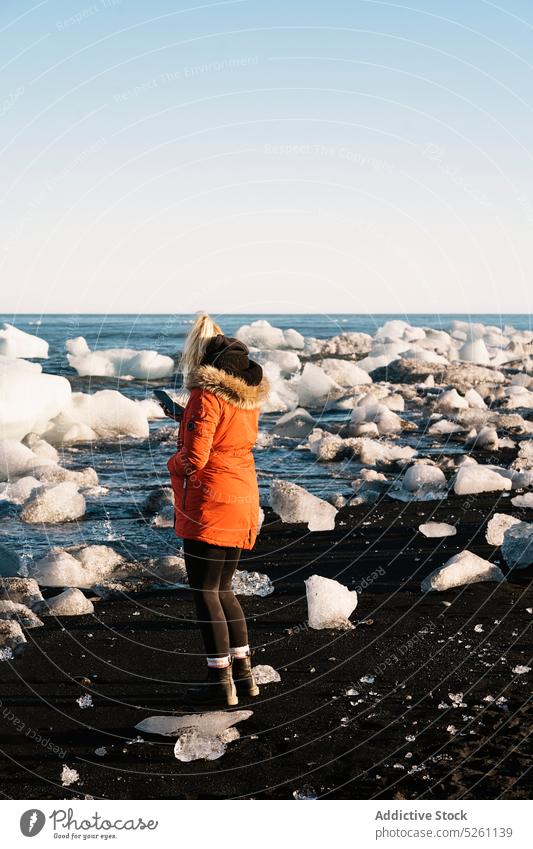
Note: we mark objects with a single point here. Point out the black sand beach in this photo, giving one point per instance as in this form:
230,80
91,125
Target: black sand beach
400,737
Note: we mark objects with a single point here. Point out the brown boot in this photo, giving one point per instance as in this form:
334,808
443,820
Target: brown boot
244,677
217,690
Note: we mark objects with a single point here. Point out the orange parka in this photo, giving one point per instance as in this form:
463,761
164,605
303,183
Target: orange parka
213,475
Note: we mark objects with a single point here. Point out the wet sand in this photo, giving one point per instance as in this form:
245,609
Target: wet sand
305,735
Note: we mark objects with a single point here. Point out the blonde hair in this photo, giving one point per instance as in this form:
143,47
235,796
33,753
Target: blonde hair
203,330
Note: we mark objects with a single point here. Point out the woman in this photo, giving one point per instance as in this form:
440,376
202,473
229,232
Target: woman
216,499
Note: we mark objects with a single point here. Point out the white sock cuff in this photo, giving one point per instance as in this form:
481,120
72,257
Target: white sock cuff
218,662
240,652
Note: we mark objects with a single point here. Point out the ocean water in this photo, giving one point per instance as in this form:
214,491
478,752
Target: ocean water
132,469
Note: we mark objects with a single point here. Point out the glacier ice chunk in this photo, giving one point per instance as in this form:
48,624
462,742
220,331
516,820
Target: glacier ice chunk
211,723
22,590
497,527
11,636
62,502
70,602
329,603
517,546
472,479
296,424
17,343
293,503
117,362
78,566
463,568
29,397
12,610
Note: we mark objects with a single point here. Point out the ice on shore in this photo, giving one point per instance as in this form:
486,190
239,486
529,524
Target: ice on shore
193,745
329,603
287,362
328,447
497,526
17,460
343,345
474,351
12,640
315,388
463,568
472,479
450,401
260,334
29,397
13,610
294,504
421,482
251,583
79,566
70,602
22,590
297,424
437,529
106,414
117,362
264,674
444,427
517,546
525,500
345,373
69,776
369,487
16,343
62,502
211,723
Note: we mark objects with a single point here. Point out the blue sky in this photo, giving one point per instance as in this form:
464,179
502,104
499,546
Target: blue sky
251,155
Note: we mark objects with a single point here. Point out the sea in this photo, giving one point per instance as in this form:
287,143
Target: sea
131,470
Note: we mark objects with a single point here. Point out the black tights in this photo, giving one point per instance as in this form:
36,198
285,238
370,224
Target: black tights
210,569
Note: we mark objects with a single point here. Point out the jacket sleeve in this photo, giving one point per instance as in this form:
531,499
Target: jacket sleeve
197,437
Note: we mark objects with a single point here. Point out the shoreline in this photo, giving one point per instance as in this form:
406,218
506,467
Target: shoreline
305,735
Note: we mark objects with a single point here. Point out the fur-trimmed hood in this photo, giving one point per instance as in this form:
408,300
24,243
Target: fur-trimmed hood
232,389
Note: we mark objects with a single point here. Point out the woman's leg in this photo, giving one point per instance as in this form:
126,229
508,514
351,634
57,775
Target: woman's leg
204,564
238,632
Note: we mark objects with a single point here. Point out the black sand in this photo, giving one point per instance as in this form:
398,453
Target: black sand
305,734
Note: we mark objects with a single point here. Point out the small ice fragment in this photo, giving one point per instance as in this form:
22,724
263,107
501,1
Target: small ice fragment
85,701
452,729
251,583
367,679
264,674
437,529
305,793
410,738
101,751
521,670
478,629
456,699
69,776
352,692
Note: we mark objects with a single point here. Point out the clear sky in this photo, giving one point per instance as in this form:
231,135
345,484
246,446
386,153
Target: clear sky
266,155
